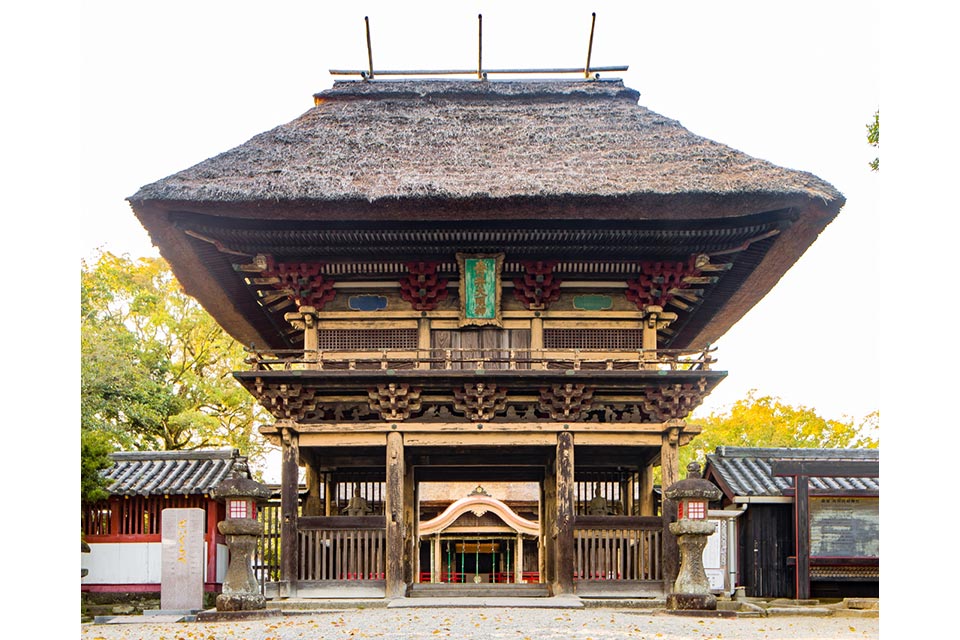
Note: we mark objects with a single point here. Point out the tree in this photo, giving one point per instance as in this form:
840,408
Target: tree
155,367
768,422
873,137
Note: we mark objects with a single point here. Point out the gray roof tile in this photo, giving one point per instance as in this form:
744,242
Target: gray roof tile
149,473
746,470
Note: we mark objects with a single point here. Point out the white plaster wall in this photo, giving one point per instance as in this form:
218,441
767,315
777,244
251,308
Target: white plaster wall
135,563
122,563
222,561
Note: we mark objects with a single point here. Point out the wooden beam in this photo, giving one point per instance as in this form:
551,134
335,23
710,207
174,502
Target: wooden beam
826,468
333,439
801,520
463,426
478,439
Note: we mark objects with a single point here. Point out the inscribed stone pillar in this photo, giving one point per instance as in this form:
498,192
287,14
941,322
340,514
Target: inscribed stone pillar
181,559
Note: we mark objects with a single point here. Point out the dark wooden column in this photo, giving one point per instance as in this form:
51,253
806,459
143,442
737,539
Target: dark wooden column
670,473
548,520
411,548
289,503
394,500
563,553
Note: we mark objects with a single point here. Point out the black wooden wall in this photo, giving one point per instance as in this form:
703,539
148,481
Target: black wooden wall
766,541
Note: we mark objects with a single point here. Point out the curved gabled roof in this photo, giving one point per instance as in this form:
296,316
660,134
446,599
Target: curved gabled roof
479,504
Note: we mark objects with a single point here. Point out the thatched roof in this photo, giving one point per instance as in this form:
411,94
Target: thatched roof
546,152
459,140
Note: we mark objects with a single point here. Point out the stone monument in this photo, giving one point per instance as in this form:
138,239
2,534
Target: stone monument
181,559
691,591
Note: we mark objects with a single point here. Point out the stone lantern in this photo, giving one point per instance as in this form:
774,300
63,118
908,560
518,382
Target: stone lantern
693,495
240,589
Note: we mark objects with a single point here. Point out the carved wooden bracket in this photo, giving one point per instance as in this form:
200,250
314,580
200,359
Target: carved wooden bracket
301,281
394,401
287,401
480,401
538,287
566,401
661,282
674,402
423,289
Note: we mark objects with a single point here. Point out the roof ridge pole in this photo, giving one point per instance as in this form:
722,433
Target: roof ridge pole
480,74
369,75
593,22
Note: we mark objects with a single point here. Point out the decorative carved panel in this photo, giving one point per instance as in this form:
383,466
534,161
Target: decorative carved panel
394,401
675,401
423,288
566,401
538,287
480,401
660,282
288,401
301,281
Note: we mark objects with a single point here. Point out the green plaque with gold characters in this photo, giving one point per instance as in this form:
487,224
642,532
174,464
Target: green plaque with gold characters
480,289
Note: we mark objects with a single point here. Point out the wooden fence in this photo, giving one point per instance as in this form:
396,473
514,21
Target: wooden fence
618,548
342,548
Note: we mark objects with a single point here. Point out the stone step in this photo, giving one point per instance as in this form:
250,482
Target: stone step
479,591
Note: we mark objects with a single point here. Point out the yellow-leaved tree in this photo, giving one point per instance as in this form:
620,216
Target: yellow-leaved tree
766,421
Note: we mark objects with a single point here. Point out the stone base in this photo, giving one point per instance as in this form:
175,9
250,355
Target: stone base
692,601
241,602
227,616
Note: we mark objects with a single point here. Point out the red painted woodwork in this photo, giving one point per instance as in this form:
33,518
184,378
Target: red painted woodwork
423,288
538,287
302,281
658,279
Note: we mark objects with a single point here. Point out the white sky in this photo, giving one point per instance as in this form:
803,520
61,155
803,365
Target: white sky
163,87
104,96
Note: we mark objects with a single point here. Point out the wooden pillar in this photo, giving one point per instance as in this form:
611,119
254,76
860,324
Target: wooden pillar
423,342
212,507
437,563
548,520
670,473
289,503
394,515
801,519
563,554
518,561
645,491
411,562
536,342
313,506
305,319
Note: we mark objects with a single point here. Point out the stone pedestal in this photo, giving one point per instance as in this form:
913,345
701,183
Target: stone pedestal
240,589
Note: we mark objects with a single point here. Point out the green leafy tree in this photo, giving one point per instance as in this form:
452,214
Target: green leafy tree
765,421
873,137
155,367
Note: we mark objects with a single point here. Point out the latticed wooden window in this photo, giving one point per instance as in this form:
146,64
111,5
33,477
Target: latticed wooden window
604,339
367,339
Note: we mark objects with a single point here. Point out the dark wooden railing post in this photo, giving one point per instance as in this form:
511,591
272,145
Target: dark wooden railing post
395,587
289,504
564,554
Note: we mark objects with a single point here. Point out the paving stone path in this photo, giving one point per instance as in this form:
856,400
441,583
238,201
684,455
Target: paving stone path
496,624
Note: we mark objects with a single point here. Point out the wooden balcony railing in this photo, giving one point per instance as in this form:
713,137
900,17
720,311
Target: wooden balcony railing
341,548
621,548
472,359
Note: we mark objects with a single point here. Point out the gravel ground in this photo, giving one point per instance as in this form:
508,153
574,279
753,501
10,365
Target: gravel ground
496,623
